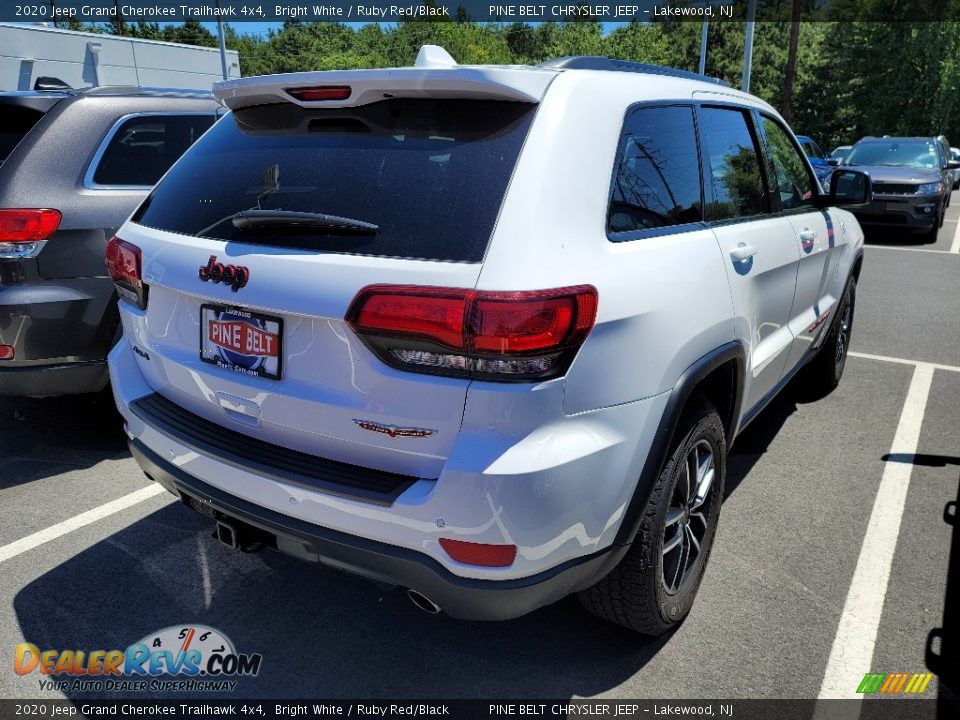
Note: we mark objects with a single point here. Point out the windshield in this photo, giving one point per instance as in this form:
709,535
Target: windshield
402,178
896,153
811,149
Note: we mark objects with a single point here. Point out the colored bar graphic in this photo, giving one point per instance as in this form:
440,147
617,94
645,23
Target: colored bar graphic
871,683
894,683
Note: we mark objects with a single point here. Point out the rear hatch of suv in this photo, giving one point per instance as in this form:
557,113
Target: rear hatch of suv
257,243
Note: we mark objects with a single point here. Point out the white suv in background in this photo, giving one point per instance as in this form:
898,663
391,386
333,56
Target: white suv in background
484,333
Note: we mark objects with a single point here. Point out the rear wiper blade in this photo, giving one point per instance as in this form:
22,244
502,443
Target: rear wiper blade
279,219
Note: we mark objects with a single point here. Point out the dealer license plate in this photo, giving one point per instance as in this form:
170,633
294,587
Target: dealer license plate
240,340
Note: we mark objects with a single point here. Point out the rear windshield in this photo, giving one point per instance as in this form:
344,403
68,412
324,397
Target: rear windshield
15,123
429,174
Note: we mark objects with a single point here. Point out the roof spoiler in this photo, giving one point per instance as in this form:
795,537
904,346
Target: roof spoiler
435,75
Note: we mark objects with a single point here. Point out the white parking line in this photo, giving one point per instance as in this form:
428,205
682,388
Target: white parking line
852,652
906,249
903,361
40,537
955,246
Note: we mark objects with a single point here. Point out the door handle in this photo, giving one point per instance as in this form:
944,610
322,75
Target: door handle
808,235
743,252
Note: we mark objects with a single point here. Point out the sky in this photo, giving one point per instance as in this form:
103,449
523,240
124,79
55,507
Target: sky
261,28
249,28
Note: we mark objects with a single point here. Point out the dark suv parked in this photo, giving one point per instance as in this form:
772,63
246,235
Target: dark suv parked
911,179
73,165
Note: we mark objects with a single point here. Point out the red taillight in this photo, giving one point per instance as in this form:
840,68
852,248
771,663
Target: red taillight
326,92
527,335
436,313
23,233
28,225
481,554
124,264
7,352
532,321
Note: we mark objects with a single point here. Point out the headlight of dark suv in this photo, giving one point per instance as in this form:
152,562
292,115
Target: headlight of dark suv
934,188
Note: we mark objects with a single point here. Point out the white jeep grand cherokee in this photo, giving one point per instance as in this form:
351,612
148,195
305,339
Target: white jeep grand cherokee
484,333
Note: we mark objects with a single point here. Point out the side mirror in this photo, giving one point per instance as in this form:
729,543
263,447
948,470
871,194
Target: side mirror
953,164
833,161
849,188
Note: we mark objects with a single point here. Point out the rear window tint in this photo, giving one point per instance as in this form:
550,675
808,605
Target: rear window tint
15,123
430,174
736,184
143,148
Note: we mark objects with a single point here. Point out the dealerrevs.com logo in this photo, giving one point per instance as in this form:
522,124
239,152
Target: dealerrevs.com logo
178,658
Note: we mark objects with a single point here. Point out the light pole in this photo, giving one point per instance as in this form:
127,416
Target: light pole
223,46
703,47
748,46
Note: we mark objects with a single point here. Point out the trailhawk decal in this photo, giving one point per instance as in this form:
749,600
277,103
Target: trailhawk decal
392,430
241,341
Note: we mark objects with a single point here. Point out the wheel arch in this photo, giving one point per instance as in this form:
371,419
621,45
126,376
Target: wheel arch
719,376
857,265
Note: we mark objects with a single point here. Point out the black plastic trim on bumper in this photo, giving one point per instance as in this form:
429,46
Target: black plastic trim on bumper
267,459
463,598
46,380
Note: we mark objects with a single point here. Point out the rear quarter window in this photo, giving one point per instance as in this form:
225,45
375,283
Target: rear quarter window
15,123
430,174
142,148
656,181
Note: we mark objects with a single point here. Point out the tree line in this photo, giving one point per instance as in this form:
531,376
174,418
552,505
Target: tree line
849,78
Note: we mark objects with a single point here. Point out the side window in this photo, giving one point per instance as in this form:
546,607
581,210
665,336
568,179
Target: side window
735,187
657,179
789,171
143,148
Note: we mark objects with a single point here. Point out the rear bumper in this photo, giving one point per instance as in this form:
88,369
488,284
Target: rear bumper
60,379
554,486
459,597
61,331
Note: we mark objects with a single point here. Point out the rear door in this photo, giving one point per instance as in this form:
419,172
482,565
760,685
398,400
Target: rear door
818,240
760,248
245,325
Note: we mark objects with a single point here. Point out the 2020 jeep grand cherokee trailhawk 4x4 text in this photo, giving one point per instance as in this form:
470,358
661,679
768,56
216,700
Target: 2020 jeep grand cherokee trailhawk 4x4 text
485,333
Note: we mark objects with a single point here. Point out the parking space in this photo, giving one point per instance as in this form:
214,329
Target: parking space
789,571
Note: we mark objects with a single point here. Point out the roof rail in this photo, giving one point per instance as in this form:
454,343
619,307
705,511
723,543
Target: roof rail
140,90
600,62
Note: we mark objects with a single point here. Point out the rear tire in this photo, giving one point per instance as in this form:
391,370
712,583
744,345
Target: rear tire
822,375
653,588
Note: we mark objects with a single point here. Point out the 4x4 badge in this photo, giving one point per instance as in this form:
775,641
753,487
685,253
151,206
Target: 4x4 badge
236,276
392,430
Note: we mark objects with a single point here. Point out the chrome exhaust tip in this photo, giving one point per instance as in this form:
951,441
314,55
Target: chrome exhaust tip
423,602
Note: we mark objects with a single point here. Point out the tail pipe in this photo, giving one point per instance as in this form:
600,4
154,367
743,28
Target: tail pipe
423,602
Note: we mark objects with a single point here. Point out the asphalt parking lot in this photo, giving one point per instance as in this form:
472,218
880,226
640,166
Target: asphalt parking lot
834,555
